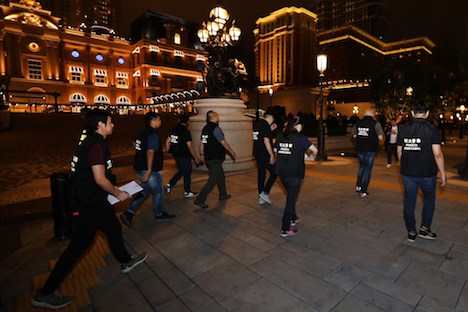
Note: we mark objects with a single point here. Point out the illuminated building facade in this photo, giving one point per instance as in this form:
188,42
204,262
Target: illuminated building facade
352,53
38,56
368,15
285,47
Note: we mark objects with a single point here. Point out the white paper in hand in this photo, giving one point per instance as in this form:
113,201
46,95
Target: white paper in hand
131,188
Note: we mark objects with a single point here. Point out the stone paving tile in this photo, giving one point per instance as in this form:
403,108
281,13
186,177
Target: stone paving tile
353,304
346,277
190,255
240,251
154,290
314,255
386,286
234,276
300,262
197,300
407,250
316,292
456,264
430,282
380,299
432,305
174,305
264,296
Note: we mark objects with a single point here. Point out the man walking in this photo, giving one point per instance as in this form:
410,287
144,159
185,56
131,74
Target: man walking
420,155
90,185
263,153
367,133
179,144
213,147
148,164
390,142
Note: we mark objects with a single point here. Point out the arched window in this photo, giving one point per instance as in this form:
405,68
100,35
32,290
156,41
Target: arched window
77,98
101,99
177,38
123,100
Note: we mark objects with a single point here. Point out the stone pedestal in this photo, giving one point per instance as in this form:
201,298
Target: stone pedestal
237,129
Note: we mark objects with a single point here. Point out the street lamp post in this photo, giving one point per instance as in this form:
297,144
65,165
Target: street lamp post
270,92
462,121
321,67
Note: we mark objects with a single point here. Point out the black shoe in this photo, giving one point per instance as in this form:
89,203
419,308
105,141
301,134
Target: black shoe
126,219
54,300
165,217
411,236
427,234
224,197
201,204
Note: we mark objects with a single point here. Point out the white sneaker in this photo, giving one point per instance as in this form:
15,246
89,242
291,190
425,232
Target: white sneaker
261,201
265,197
389,165
358,189
190,194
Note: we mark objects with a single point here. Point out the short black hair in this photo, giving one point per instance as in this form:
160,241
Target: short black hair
93,117
421,106
209,115
183,118
150,116
269,113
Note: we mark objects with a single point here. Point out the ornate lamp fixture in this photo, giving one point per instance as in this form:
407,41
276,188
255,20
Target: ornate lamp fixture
216,35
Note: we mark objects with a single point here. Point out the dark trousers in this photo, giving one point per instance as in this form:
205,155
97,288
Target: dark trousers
292,186
428,187
366,161
89,222
391,150
184,169
216,176
263,166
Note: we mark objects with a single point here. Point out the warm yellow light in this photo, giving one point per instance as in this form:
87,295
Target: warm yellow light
235,33
409,91
462,108
213,28
270,91
203,35
219,15
322,63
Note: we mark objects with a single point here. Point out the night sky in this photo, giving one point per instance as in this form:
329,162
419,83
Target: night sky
444,22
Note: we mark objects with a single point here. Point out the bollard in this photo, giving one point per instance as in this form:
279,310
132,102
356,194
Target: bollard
60,205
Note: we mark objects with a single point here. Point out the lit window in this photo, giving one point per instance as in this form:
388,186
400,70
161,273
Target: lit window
76,74
122,79
121,60
75,54
100,77
35,69
177,38
99,57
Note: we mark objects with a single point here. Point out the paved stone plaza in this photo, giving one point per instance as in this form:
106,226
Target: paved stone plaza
350,253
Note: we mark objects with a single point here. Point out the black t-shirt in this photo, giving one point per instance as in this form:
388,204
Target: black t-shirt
416,138
179,136
261,130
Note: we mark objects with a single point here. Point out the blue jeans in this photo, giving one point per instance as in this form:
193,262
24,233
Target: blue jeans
366,161
153,185
428,187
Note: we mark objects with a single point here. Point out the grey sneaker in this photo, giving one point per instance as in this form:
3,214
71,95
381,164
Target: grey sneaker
261,201
265,197
134,262
54,300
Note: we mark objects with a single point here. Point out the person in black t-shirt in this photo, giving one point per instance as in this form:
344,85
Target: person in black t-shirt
263,152
420,154
148,165
179,144
367,133
90,184
291,145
